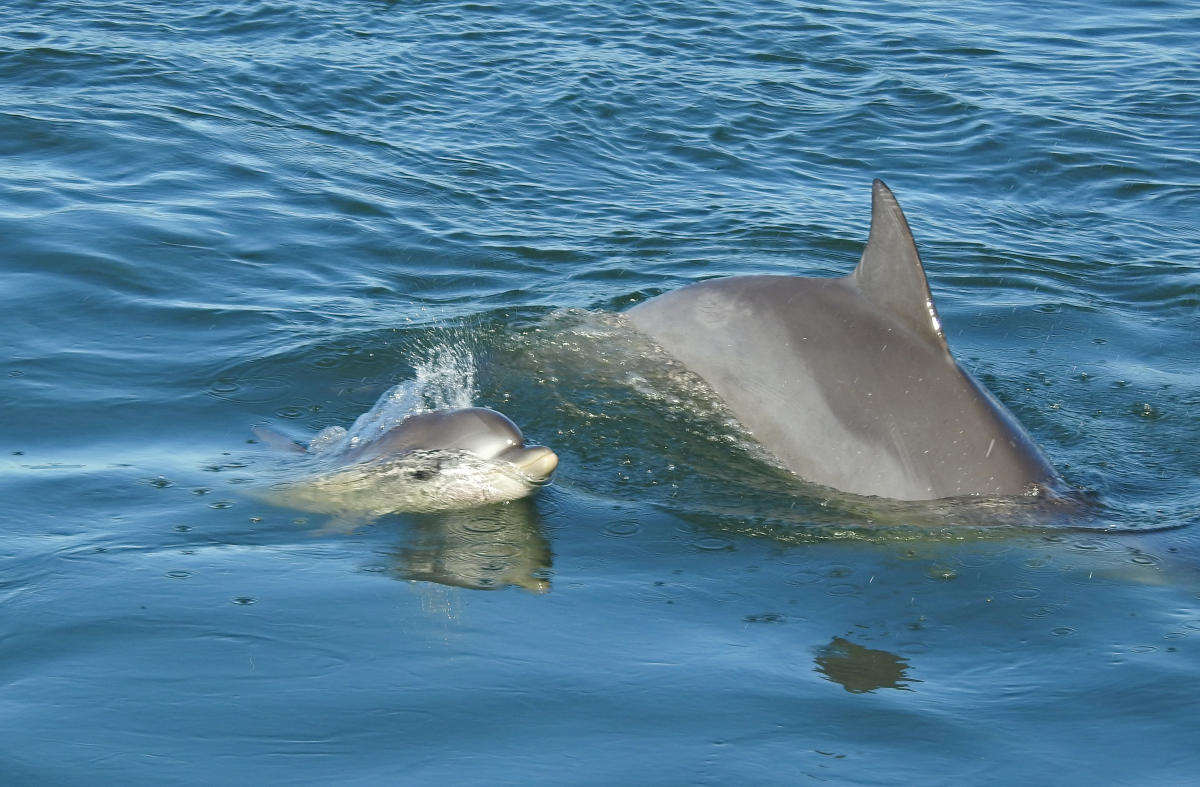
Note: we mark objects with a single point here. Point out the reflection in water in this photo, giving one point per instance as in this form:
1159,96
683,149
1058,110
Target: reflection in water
481,549
862,670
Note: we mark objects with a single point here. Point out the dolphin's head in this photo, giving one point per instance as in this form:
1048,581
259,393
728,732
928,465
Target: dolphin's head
484,433
432,461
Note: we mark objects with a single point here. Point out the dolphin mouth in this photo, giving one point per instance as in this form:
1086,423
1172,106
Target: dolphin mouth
535,461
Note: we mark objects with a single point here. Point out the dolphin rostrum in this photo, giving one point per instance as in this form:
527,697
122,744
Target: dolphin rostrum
849,381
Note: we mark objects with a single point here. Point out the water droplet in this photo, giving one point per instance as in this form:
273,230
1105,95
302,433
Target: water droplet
244,601
161,483
944,573
222,504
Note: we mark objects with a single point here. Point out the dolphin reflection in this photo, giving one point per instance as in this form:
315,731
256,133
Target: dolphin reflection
487,548
862,670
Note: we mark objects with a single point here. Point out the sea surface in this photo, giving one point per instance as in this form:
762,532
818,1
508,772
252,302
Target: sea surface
220,216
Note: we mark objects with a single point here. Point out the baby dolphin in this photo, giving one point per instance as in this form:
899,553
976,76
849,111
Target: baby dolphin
430,461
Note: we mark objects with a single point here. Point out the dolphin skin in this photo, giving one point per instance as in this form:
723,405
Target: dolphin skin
849,381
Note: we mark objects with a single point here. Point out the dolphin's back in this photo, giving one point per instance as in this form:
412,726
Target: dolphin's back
849,381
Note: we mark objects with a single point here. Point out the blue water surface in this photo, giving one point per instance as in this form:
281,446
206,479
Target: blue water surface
221,215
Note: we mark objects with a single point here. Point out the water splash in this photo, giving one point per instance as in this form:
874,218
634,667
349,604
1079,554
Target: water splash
444,378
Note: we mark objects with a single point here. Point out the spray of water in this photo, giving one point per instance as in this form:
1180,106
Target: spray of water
444,378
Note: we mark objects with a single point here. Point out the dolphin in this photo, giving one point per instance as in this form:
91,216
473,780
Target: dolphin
848,381
430,461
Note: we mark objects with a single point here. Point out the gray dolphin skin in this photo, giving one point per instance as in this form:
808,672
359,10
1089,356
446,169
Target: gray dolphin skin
485,433
849,381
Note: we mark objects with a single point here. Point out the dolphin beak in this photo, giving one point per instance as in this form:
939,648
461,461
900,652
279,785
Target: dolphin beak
536,461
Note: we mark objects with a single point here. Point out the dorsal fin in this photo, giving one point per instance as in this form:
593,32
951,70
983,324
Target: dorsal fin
890,273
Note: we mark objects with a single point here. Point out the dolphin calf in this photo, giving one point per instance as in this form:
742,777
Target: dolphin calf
429,461
849,381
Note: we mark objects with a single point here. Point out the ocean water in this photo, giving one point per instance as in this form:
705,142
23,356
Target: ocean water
215,216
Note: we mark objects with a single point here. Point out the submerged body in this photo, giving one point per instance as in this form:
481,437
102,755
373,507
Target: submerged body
430,461
849,381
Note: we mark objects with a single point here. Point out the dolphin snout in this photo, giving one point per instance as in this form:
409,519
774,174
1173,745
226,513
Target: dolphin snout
536,461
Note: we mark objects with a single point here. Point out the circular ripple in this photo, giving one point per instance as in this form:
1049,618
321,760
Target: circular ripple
256,390
845,589
713,544
622,529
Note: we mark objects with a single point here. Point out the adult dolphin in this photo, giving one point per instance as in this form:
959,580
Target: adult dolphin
849,381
